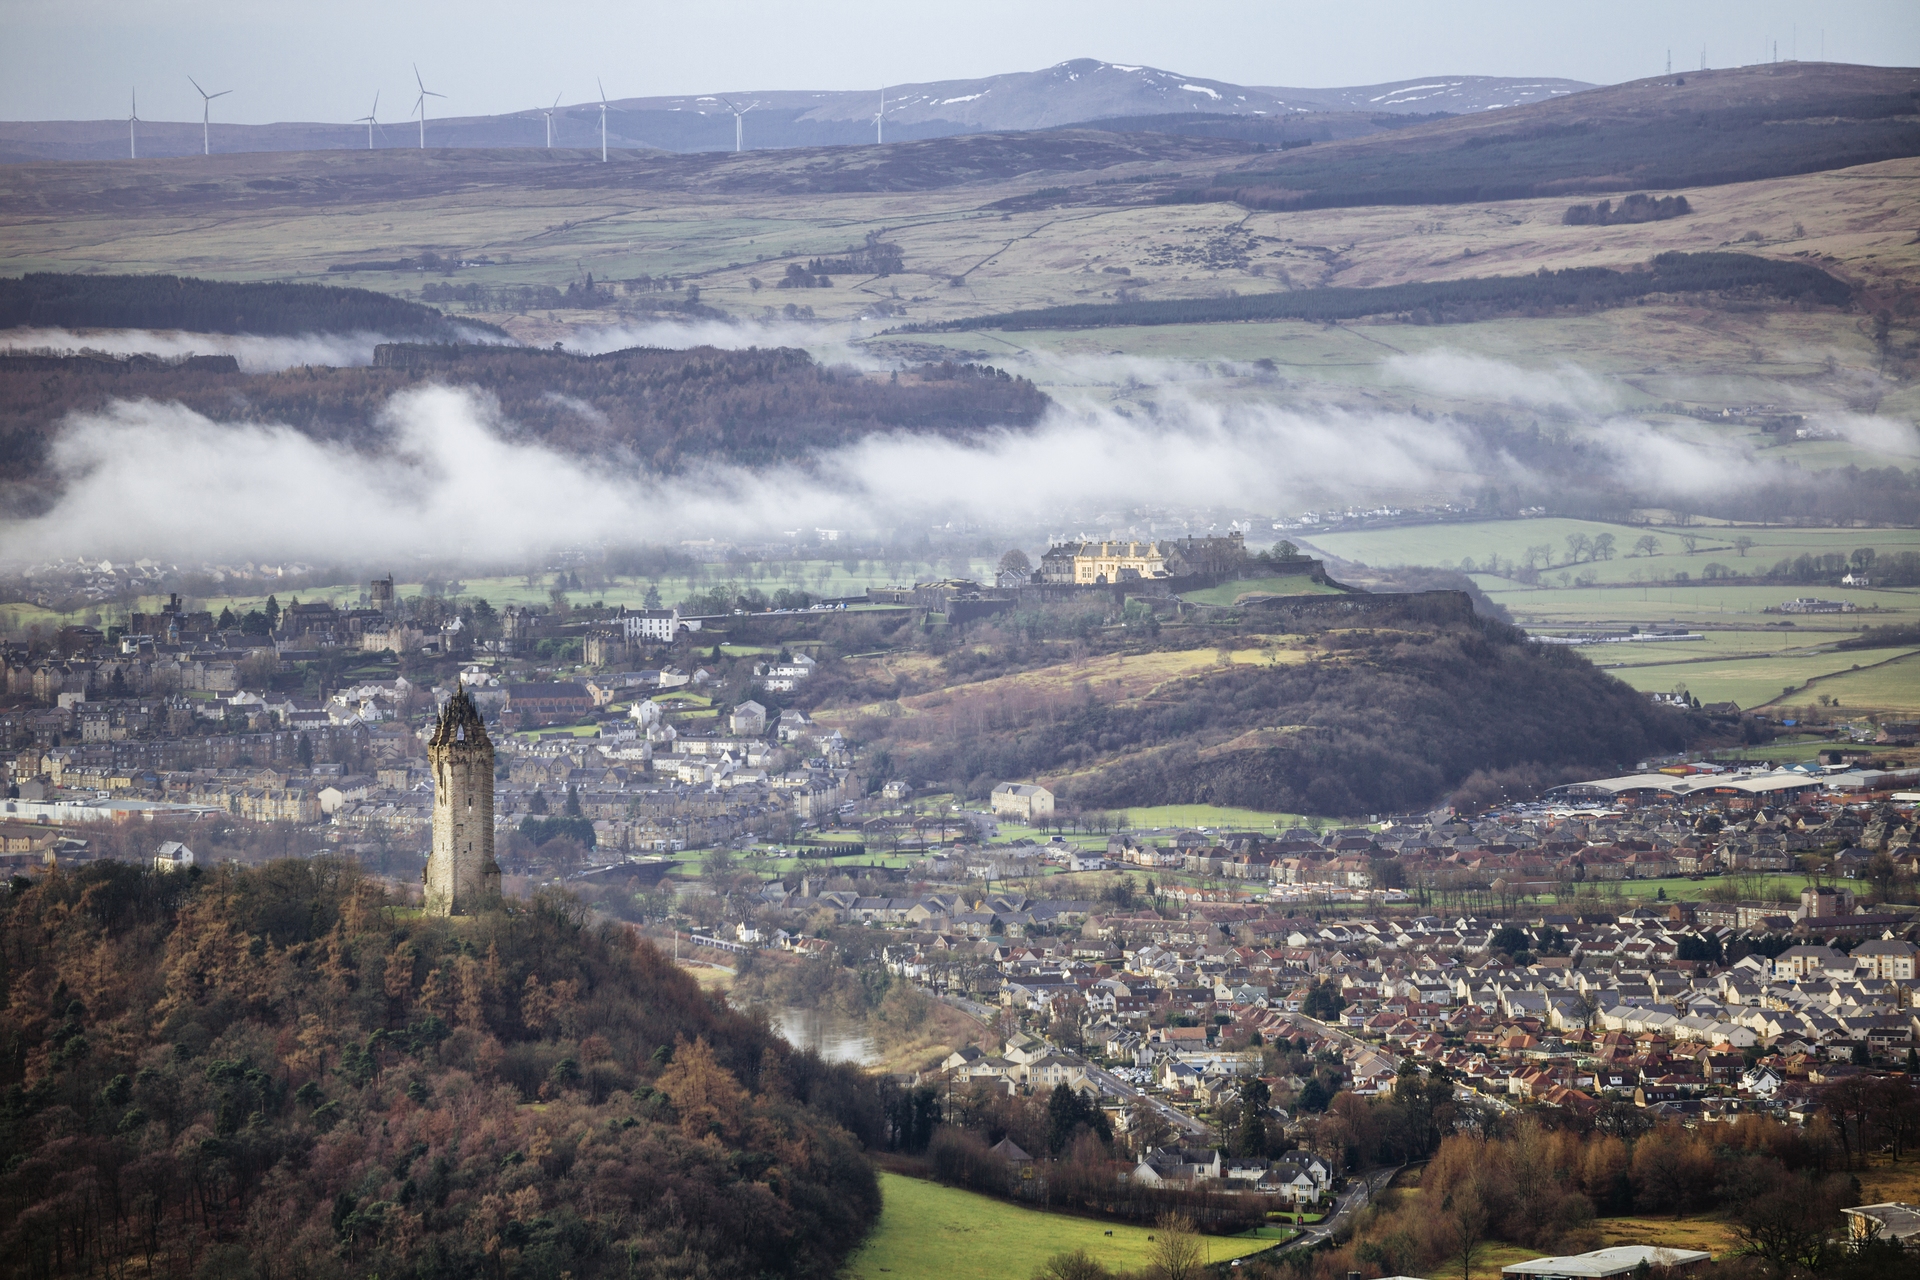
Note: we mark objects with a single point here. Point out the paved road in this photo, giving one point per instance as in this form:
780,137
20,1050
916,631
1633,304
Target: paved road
1188,1127
1361,1189
985,1013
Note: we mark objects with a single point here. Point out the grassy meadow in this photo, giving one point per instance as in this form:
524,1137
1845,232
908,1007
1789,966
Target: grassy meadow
1242,589
930,1232
1890,686
1761,680
1446,545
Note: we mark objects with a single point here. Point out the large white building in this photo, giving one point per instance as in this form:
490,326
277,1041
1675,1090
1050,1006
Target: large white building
661,626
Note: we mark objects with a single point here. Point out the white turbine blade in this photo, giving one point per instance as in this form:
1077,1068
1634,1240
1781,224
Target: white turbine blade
603,90
416,78
223,93
196,85
556,102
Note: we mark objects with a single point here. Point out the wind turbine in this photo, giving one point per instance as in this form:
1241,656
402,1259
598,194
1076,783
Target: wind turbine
133,118
548,113
206,113
739,127
879,121
603,119
421,104
369,121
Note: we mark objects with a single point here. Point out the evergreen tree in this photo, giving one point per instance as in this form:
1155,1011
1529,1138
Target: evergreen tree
573,802
273,613
1069,1111
1250,1138
227,621
652,600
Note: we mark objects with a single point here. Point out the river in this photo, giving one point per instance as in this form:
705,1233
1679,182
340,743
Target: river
834,1038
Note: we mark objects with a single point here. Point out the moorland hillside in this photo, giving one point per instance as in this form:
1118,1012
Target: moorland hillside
1080,89
1701,128
1697,128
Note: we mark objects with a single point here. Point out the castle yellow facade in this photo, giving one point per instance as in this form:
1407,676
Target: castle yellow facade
1102,562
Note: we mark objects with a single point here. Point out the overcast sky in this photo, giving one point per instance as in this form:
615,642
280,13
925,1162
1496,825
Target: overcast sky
76,59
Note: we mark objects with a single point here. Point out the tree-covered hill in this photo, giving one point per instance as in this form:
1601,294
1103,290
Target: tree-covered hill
51,300
1398,708
281,1072
663,408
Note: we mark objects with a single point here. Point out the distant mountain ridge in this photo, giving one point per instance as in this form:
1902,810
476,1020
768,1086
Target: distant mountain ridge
1078,91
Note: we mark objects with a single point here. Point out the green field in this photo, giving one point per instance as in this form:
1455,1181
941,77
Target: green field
1681,889
1228,593
1446,545
1711,645
1186,816
1755,682
1889,686
930,1232
1740,606
1166,817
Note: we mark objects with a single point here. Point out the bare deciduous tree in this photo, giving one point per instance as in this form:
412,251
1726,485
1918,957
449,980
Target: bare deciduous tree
1177,1254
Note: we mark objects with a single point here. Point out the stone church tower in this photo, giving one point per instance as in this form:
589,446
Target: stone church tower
461,874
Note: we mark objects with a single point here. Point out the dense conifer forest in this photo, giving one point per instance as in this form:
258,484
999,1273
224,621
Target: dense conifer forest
285,1072
49,300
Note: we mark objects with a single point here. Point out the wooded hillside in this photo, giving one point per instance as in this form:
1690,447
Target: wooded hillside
1396,710
47,299
659,407
282,1072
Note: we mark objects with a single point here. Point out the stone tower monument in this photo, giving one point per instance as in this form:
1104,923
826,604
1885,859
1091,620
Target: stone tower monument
461,873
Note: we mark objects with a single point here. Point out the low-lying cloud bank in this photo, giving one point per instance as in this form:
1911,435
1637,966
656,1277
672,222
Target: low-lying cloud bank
156,479
832,343
254,352
452,479
1454,373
